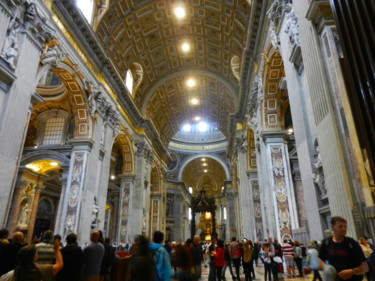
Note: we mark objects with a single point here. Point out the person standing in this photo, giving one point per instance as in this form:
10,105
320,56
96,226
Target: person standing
211,250
235,259
266,255
227,262
196,252
288,253
92,258
161,257
313,261
8,256
298,257
246,260
219,259
141,264
45,248
73,258
343,253
108,258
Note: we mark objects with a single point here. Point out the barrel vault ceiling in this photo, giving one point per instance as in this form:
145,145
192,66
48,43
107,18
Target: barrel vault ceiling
146,36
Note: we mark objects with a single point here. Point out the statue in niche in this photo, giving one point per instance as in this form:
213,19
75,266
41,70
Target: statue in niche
292,25
23,216
10,47
94,215
318,175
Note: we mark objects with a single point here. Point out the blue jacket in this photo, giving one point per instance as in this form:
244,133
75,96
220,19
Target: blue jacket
162,261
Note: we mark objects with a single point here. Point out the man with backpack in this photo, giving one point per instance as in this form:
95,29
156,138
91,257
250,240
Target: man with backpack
161,257
343,253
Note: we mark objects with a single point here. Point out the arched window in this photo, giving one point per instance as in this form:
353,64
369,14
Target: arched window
52,127
129,80
87,8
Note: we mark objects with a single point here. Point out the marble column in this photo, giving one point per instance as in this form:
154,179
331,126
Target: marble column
127,185
257,203
338,183
139,195
281,184
13,215
231,214
246,207
155,213
178,216
34,212
64,182
75,195
20,50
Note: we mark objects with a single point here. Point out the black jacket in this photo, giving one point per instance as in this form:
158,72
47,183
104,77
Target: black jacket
73,259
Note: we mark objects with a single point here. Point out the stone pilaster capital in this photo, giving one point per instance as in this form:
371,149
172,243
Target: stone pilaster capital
241,142
127,178
81,144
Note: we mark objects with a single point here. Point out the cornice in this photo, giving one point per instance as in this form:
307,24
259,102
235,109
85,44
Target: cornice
249,58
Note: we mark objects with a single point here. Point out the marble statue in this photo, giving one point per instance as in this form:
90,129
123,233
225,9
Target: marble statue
273,37
292,26
10,47
318,174
53,54
94,215
24,214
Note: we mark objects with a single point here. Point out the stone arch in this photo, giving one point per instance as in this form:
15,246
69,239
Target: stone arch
74,97
138,75
235,65
155,179
275,101
45,155
100,9
193,157
124,143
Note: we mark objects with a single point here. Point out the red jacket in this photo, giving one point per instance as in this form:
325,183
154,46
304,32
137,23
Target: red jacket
219,257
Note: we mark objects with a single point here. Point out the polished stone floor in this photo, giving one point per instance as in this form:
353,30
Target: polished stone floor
259,275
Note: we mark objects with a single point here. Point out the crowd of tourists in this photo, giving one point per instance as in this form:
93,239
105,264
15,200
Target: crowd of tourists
338,257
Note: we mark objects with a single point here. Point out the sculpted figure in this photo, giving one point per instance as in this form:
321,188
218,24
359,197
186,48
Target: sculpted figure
10,47
53,54
292,26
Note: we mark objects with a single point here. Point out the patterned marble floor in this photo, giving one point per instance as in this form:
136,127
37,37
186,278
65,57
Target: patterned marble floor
259,275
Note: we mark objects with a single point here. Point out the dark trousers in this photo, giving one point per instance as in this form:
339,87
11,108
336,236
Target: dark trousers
236,264
228,264
212,273
267,271
299,265
247,270
252,271
275,269
219,273
317,275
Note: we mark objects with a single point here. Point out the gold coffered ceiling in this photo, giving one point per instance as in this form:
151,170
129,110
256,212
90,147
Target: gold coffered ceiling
148,34
206,175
